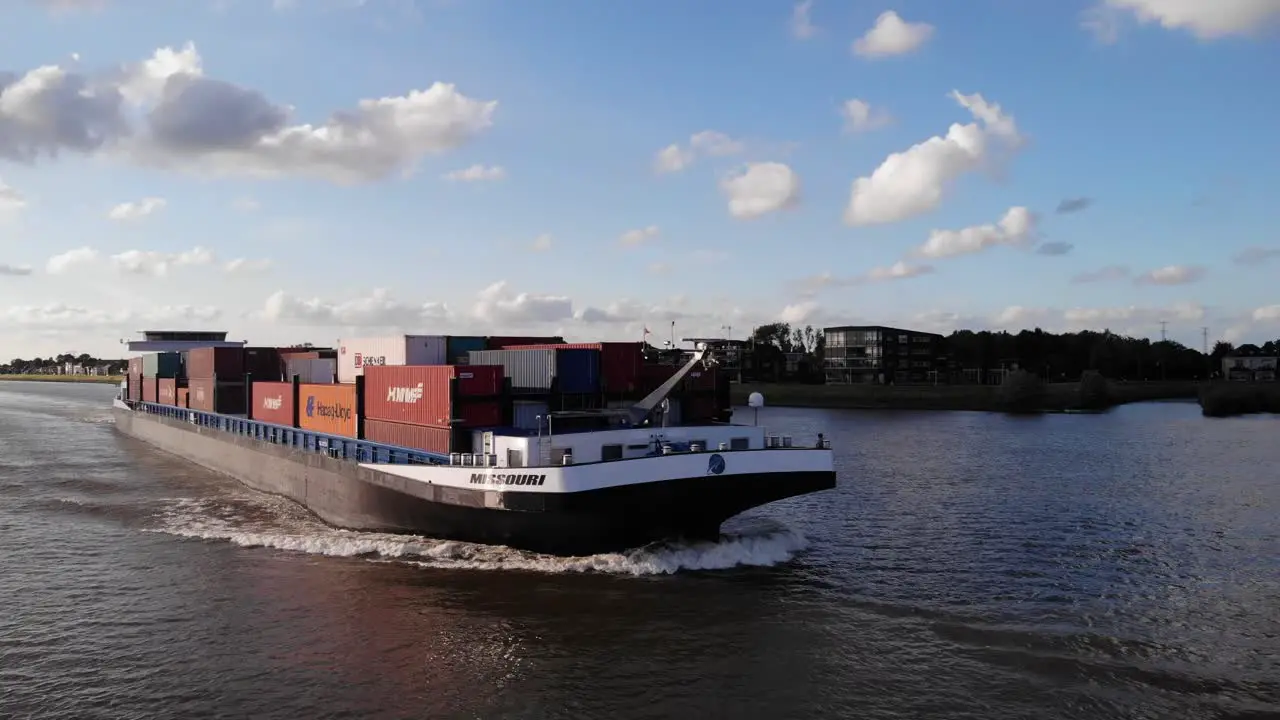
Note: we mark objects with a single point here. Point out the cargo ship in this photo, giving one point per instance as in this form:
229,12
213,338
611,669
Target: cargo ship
531,443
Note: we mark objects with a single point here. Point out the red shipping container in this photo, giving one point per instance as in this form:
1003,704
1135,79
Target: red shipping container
225,398
422,394
135,366
273,403
167,391
149,390
620,362
497,342
182,397
699,409
225,362
651,376
700,380
417,437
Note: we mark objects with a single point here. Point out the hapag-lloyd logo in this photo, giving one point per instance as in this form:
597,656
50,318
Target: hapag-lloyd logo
273,403
333,411
404,394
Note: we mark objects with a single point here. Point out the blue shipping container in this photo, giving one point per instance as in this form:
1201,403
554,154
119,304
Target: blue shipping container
525,413
578,371
459,347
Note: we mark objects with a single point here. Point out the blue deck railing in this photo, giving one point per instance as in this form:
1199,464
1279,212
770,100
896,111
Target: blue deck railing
334,446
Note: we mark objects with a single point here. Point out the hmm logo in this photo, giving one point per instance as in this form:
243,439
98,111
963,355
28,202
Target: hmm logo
504,479
404,394
327,410
273,403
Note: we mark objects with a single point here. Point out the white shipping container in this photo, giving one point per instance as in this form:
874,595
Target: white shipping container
355,353
317,372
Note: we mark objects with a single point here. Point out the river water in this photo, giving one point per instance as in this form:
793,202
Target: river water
968,565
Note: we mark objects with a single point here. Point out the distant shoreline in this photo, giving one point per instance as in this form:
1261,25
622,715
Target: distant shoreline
1059,397
80,379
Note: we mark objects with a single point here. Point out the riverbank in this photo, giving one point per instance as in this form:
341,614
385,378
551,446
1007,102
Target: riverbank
1225,399
1058,397
100,379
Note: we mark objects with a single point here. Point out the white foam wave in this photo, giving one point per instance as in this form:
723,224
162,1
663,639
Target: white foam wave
761,547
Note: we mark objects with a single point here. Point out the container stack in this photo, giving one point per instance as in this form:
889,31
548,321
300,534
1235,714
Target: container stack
215,378
263,363
135,379
560,377
316,367
356,354
157,367
167,390
433,407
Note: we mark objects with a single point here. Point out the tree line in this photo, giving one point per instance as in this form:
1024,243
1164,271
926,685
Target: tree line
1052,356
19,366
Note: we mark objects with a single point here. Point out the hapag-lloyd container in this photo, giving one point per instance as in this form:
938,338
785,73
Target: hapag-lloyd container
355,354
329,409
418,437
225,398
436,395
620,362
227,363
577,371
273,403
321,371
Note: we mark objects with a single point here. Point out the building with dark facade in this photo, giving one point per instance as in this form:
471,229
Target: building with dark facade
879,354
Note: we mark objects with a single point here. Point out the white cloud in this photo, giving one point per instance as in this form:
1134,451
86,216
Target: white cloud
246,204
708,143
859,116
897,271
891,35
136,210
11,201
201,123
70,259
799,313
1206,20
638,236
801,24
245,266
1016,228
914,181
158,264
378,309
62,316
628,311
761,188
1256,255
1172,275
499,305
1270,313
542,243
477,173
1097,318
900,270
1055,248
15,270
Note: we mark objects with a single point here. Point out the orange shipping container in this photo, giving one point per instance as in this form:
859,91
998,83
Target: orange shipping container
329,409
182,397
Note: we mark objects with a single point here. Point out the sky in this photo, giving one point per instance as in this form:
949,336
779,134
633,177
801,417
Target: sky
305,170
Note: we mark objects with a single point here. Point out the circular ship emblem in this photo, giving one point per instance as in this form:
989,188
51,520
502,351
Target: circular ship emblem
715,465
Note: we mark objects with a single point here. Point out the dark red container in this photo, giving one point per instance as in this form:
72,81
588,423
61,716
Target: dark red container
226,398
167,391
434,395
135,366
701,380
273,403
651,376
135,387
225,362
620,362
417,437
182,397
263,363
148,390
497,342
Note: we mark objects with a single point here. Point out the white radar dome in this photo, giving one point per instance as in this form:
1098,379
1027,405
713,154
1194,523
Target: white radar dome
755,400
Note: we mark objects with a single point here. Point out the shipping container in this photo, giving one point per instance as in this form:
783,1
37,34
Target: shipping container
166,364
620,362
182,398
700,409
418,437
273,403
567,371
167,391
329,409
135,366
652,377
263,363
148,389
135,387
704,380
227,363
425,394
497,342
320,371
526,414
457,348
355,354
227,398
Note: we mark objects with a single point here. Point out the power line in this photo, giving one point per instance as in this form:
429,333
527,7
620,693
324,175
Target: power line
1163,336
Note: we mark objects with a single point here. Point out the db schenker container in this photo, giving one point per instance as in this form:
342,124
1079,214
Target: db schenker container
223,397
226,363
272,403
329,409
355,354
148,389
566,371
165,364
620,362
418,437
263,363
435,395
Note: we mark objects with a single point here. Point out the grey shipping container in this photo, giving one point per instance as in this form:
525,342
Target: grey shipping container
525,414
165,364
528,369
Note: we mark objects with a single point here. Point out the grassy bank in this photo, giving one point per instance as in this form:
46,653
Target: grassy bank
102,379
1058,397
1224,399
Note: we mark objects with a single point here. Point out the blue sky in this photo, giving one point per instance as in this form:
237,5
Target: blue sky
1163,124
